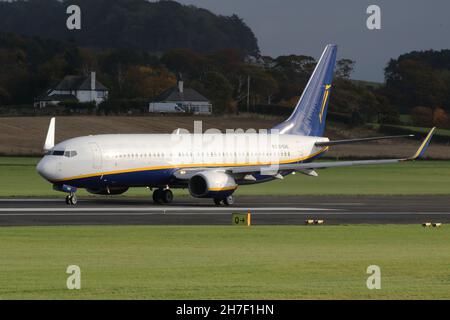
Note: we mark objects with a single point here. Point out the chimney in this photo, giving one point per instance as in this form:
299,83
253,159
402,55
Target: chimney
180,83
92,81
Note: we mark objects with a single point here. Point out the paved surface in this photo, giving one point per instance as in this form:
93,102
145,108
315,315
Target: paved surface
265,211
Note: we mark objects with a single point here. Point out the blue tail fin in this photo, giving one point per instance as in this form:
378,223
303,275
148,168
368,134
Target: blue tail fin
308,118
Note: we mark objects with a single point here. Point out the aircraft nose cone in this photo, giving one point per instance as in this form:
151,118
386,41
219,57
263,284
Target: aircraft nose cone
46,168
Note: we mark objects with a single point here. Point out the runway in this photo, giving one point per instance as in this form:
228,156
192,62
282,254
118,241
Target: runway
265,210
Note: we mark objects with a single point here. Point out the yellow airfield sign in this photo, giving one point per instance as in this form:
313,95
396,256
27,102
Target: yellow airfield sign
241,219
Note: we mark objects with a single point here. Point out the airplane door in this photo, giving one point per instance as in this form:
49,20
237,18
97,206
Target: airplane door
96,154
59,166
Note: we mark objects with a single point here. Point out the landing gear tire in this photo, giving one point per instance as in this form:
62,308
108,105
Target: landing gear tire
228,201
167,196
158,196
71,199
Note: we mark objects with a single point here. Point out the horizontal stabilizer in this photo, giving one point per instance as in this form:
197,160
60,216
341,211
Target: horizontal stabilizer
337,142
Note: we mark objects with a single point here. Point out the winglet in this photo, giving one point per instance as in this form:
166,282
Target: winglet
50,139
423,147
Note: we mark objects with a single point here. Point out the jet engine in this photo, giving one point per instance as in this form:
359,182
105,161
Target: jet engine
108,190
212,184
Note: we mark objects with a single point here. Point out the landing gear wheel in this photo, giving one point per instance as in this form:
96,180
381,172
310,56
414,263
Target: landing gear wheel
158,196
217,201
228,201
71,199
167,196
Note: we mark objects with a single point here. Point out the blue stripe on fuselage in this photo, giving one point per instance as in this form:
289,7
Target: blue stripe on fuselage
150,178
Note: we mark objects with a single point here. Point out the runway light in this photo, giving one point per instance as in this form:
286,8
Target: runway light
426,224
437,225
319,222
309,221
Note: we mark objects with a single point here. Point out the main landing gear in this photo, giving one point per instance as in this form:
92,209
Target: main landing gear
162,196
71,199
228,201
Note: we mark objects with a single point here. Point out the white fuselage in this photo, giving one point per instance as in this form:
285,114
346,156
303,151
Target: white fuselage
103,157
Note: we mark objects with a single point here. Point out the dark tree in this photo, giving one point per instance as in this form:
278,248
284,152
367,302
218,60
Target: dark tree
131,24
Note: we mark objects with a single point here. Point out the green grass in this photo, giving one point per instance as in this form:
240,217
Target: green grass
421,130
282,262
19,179
405,119
442,132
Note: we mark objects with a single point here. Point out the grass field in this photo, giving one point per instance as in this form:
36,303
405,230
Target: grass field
19,179
289,262
420,130
443,132
26,135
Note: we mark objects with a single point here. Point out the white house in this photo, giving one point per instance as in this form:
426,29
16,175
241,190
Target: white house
180,99
75,89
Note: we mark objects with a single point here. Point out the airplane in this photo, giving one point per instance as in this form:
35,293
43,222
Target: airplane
209,165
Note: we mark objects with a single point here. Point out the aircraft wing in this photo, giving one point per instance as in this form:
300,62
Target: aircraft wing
272,170
337,142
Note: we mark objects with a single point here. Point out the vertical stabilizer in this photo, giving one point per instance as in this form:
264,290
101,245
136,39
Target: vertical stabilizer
308,118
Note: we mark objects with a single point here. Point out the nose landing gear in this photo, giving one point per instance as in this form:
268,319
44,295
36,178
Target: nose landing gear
228,201
71,199
162,196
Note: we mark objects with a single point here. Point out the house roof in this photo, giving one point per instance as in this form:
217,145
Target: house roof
57,97
173,94
79,83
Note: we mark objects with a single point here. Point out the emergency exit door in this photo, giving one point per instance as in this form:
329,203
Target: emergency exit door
96,155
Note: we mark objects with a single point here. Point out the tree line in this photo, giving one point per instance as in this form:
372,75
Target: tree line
416,84
134,24
31,65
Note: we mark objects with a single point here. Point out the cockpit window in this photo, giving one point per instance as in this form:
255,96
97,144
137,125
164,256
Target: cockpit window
67,154
70,154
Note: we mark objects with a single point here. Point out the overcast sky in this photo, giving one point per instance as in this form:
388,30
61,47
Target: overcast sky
305,26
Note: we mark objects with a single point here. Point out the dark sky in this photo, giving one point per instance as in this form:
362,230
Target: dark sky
306,26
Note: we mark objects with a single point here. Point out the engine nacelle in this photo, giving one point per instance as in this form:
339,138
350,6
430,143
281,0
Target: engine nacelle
108,191
212,184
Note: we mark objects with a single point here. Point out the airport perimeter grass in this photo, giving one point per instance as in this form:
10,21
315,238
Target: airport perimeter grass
276,262
19,179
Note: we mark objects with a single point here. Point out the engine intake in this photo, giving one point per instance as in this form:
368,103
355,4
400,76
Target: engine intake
211,184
